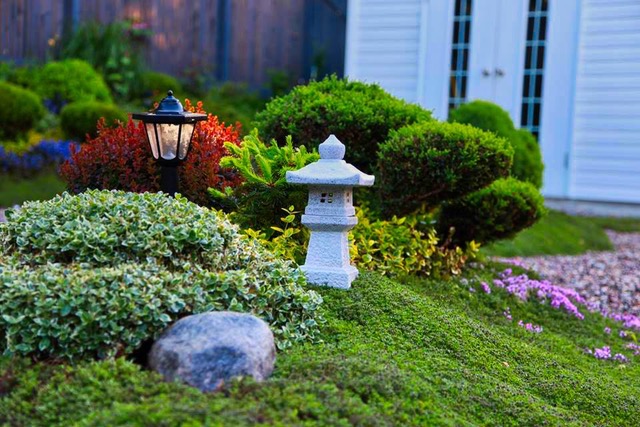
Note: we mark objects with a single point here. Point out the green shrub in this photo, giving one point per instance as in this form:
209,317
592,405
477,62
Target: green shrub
427,163
258,201
114,50
97,274
70,81
498,211
484,115
156,85
407,245
360,115
20,110
234,102
80,119
527,159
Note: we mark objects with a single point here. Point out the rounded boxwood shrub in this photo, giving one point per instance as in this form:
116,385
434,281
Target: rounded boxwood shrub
80,119
20,110
527,159
498,211
98,274
359,114
427,163
484,115
71,80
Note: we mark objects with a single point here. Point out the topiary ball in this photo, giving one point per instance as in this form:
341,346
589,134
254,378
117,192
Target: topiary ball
427,163
71,80
20,109
496,212
359,114
97,274
527,158
484,115
79,120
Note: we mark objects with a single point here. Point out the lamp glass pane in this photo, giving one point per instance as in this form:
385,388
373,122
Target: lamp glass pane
151,133
185,139
168,140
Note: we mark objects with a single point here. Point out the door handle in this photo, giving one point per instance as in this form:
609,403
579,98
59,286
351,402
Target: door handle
500,72
486,72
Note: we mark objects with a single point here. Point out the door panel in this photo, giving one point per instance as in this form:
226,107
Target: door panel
497,58
482,61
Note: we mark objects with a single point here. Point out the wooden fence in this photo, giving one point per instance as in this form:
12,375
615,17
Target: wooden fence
239,40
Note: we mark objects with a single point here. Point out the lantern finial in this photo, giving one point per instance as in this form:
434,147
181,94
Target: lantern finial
331,149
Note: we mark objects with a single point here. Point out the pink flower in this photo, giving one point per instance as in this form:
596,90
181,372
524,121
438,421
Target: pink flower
485,288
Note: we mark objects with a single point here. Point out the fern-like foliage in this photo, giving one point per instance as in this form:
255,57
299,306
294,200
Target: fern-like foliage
258,202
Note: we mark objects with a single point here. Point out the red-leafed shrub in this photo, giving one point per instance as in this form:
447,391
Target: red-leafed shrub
120,159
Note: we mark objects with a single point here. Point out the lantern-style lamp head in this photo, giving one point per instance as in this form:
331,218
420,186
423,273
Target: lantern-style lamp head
169,129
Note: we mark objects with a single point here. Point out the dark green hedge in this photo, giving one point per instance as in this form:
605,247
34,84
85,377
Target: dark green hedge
527,159
430,162
498,211
360,115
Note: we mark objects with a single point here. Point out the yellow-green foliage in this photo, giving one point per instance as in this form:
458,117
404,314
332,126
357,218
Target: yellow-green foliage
71,80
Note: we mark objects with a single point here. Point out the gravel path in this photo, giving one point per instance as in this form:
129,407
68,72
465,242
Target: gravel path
611,280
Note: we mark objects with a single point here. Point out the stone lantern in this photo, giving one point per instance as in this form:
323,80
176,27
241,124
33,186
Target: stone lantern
330,214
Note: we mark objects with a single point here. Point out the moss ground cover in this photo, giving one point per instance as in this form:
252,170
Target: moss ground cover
396,352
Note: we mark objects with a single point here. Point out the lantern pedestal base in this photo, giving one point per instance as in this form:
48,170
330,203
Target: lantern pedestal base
327,262
169,179
333,277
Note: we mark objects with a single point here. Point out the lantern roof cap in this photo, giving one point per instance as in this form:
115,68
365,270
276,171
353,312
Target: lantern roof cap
330,170
169,111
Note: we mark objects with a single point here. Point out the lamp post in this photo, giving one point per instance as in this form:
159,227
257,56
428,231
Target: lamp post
169,130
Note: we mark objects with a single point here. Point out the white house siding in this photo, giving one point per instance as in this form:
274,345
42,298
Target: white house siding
383,44
605,158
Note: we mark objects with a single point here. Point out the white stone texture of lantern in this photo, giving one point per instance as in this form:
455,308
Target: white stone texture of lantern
330,214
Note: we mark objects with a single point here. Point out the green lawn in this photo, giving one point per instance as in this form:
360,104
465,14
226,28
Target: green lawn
395,352
559,233
41,187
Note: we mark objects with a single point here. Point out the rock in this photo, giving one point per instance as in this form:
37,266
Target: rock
204,350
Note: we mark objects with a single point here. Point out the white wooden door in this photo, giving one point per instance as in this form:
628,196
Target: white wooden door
498,36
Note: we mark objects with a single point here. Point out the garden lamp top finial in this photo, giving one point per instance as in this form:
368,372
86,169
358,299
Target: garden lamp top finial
170,105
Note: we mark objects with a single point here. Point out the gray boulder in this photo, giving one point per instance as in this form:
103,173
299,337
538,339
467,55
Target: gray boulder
204,350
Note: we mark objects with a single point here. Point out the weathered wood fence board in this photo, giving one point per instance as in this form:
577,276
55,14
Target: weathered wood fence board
253,36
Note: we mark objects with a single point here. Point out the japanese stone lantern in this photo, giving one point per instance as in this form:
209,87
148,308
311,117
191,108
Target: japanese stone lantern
330,214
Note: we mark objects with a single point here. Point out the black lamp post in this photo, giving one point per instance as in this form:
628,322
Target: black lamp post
169,131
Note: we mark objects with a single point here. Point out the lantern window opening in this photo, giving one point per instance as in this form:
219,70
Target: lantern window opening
178,146
155,128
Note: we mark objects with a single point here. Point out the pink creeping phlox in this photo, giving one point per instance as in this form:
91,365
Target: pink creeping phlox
530,327
604,353
522,287
635,347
